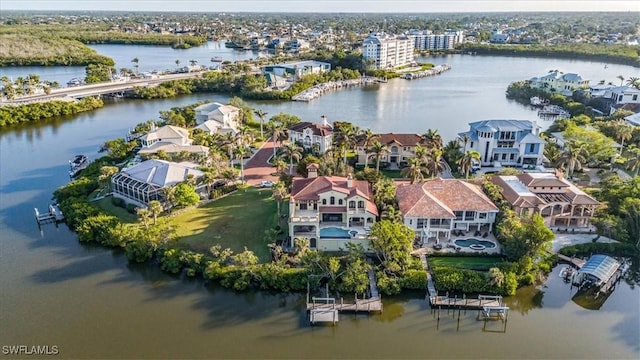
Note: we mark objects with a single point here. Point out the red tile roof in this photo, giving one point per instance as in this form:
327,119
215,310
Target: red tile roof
317,129
439,198
400,139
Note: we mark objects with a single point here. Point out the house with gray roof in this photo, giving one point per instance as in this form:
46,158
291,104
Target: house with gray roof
506,142
145,181
558,82
170,139
217,118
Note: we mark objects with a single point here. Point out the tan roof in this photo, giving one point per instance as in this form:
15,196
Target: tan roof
167,132
516,192
440,198
310,188
171,148
541,179
522,197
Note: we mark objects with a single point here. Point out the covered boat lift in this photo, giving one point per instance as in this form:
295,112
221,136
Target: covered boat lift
598,270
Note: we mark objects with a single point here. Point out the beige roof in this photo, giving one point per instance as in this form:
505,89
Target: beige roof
167,132
541,179
171,148
516,192
440,198
310,188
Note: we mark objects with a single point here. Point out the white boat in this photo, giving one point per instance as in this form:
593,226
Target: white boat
78,163
538,101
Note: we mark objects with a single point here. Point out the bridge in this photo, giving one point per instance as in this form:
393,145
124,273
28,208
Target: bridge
114,87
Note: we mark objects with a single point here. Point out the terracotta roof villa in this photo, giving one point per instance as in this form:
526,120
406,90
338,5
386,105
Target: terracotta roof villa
439,207
317,137
559,201
330,211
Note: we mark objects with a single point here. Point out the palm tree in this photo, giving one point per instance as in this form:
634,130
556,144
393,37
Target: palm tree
624,132
434,161
144,216
466,162
279,164
228,142
169,193
633,164
292,151
278,133
136,61
177,63
193,62
573,156
155,208
465,140
261,114
240,152
432,139
413,170
391,213
366,139
621,79
279,193
379,150
634,82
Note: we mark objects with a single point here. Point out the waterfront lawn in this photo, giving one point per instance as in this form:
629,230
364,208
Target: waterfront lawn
480,263
122,213
235,221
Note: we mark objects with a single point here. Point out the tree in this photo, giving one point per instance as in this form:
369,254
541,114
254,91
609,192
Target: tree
634,81
136,63
379,150
392,242
631,211
574,155
279,193
279,134
434,161
432,139
413,170
621,79
292,151
106,172
185,195
623,131
193,62
633,163
467,161
177,63
240,152
144,216
525,236
366,138
465,140
155,208
262,115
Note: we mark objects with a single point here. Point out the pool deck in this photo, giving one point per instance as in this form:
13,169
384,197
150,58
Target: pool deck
448,245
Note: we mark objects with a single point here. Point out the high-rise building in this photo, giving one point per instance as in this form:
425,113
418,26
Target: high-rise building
387,52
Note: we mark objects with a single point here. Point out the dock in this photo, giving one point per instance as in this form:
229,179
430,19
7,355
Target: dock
321,89
436,70
575,262
463,302
326,309
52,216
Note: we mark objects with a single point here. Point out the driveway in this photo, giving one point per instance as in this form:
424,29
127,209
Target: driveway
258,168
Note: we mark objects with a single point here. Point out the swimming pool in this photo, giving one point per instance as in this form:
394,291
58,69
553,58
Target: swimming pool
468,242
337,233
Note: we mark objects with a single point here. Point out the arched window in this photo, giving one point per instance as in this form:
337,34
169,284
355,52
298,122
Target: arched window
332,200
360,204
339,201
324,201
352,204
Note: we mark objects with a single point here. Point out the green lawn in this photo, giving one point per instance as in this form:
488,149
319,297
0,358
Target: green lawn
122,213
465,262
235,221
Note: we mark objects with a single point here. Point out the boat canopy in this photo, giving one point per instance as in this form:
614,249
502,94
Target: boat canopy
600,266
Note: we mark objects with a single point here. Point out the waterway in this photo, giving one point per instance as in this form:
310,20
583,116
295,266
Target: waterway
91,303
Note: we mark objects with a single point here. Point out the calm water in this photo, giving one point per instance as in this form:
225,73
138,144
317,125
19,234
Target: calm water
92,304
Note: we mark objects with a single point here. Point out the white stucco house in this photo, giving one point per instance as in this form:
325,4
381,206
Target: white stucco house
436,208
217,118
507,142
400,148
312,136
331,211
170,139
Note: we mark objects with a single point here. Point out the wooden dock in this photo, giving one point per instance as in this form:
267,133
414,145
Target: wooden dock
465,303
575,262
52,216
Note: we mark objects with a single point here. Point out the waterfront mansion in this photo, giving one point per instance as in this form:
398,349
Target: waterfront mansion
505,142
312,136
330,211
439,208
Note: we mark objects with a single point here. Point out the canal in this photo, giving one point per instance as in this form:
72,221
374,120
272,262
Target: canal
91,303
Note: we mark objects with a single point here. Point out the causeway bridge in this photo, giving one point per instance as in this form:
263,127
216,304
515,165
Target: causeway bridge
113,87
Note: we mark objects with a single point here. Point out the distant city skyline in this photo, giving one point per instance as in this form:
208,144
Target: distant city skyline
325,6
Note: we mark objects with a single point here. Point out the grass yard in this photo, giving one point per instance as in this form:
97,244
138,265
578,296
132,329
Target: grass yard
235,221
465,262
122,213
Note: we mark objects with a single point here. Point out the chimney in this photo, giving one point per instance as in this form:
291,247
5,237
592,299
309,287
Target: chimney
349,181
324,120
312,170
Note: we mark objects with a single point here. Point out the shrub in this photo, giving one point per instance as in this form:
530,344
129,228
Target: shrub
170,261
387,285
131,208
118,202
414,279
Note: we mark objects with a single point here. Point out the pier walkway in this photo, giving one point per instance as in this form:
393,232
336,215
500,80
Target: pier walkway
321,89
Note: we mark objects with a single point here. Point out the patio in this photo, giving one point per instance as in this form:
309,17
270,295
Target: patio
446,245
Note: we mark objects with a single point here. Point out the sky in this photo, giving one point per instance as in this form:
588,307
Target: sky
381,6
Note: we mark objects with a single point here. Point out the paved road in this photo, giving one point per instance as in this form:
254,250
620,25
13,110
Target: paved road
258,168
